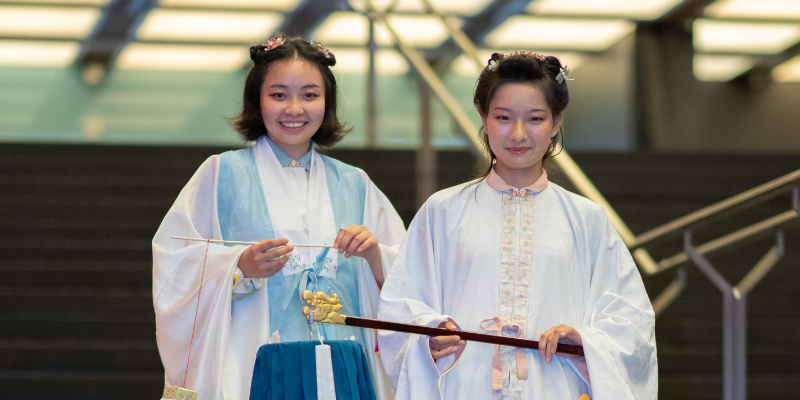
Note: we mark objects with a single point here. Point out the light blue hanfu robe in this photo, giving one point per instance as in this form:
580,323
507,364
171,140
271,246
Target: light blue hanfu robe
534,258
225,199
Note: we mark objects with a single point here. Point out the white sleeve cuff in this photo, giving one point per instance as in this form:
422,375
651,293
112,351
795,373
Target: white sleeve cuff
242,287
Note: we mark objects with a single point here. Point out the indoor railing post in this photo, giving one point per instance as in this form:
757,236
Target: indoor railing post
734,312
372,87
740,346
730,344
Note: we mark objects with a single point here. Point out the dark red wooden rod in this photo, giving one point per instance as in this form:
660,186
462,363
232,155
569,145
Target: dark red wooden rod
464,335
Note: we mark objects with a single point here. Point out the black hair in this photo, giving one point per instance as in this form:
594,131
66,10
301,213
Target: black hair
249,122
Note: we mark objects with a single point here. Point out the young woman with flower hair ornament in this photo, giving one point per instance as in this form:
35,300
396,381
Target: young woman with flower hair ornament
513,254
278,192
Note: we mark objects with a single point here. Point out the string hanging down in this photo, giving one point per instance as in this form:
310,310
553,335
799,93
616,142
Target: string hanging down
325,309
241,242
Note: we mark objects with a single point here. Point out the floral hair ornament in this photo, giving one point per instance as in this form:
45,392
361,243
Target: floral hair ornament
273,43
322,49
562,75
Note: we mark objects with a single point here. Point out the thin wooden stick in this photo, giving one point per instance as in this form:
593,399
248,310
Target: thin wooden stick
240,242
463,335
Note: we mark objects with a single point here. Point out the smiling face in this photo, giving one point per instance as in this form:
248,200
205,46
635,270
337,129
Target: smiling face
519,124
293,104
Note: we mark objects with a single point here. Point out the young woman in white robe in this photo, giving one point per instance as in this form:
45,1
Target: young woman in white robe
278,191
516,255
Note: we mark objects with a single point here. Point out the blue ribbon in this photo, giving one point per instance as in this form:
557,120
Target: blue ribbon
302,279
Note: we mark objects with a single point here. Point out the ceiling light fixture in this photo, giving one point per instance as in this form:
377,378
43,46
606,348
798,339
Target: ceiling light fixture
744,37
47,22
351,28
527,32
634,9
788,71
146,56
750,9
34,53
207,26
717,68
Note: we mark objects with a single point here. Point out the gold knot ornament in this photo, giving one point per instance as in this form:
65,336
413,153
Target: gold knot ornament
325,308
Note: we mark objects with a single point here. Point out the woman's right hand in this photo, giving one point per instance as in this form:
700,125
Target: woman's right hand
443,346
264,258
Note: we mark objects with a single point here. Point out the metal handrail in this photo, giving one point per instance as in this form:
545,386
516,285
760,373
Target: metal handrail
751,232
758,194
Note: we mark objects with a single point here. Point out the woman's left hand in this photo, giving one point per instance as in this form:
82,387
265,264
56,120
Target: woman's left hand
549,340
357,240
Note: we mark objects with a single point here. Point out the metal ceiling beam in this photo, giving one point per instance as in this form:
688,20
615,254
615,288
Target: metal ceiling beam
115,28
308,15
475,28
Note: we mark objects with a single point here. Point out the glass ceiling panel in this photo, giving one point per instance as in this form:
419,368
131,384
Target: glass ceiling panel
351,28
788,71
755,9
47,22
164,57
207,26
634,9
744,37
720,68
74,2
528,32
34,53
458,7
283,5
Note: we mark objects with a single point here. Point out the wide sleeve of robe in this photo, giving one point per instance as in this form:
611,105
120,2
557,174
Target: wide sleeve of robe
412,295
383,221
618,331
177,272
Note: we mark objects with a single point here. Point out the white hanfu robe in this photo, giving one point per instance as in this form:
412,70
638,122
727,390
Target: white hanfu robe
232,325
474,252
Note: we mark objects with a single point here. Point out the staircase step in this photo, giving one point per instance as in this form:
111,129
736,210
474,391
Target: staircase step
73,325
87,298
69,354
80,384
709,386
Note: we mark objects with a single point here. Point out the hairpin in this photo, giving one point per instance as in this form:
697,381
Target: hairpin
562,75
321,48
273,43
